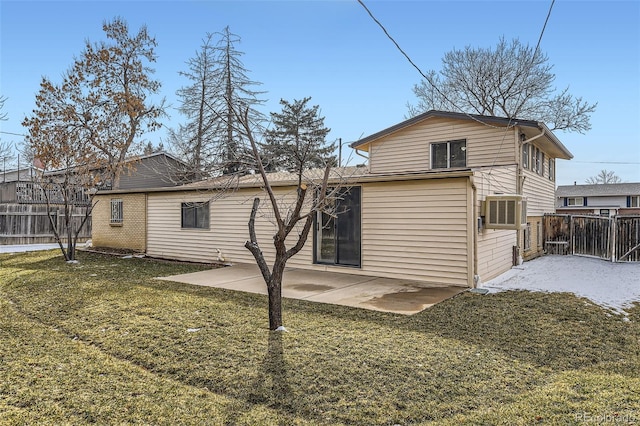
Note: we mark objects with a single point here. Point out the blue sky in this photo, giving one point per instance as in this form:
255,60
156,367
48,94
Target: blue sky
333,52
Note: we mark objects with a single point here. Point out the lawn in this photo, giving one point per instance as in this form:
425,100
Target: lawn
103,342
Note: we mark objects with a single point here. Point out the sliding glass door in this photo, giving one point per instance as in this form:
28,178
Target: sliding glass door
338,234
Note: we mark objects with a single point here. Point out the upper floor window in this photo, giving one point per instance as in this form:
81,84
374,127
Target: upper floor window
116,212
450,154
537,160
575,201
525,156
634,201
195,215
552,169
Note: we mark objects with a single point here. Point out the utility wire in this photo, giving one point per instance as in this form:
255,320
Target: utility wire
14,134
428,79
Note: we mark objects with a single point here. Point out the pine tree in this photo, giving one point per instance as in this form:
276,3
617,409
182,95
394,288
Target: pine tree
297,139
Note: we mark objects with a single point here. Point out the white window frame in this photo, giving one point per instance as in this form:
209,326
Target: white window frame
552,169
539,234
527,237
448,143
573,202
117,212
525,156
635,201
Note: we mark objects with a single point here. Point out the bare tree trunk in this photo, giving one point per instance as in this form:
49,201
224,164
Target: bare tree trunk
274,290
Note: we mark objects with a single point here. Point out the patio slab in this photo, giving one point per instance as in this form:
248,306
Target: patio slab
361,291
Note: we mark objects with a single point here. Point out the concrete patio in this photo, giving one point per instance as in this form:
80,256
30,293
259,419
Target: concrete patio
361,291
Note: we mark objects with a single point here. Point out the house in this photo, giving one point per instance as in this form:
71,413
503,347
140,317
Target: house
23,211
446,198
600,199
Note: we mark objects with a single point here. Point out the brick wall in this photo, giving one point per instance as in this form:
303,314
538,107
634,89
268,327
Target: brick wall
131,233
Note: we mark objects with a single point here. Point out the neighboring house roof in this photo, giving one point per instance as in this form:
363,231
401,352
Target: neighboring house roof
556,148
598,190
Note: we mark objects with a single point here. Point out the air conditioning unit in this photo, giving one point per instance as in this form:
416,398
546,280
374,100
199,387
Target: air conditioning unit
505,211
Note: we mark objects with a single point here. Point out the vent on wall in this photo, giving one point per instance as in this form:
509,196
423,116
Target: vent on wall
505,211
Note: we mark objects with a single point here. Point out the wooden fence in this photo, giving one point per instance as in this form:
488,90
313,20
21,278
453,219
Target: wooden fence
616,239
29,223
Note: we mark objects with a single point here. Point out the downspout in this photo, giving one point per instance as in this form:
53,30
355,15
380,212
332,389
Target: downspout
474,191
363,156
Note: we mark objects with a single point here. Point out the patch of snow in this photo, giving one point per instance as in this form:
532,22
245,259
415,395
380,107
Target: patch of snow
192,330
129,256
614,286
73,261
281,328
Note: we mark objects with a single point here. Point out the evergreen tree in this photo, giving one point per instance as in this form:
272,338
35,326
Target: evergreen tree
297,139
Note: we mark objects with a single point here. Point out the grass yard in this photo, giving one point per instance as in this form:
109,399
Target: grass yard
103,342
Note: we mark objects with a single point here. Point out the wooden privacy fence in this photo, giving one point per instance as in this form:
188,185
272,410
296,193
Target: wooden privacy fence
29,224
616,239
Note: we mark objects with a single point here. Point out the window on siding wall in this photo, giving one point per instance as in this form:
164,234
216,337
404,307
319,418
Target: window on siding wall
575,201
116,212
450,154
525,156
195,215
634,201
552,169
527,237
537,160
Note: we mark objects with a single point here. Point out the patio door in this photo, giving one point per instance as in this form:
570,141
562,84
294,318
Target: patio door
338,236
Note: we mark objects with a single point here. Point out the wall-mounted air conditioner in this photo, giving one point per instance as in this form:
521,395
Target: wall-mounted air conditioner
505,211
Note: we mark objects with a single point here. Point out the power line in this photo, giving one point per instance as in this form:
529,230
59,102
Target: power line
428,79
14,134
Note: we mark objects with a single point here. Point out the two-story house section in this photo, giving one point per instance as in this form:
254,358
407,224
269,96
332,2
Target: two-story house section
513,171
446,198
600,199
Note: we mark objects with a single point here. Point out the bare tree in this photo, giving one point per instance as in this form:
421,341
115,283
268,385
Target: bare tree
236,94
604,177
3,115
61,142
512,81
218,84
297,217
6,148
194,140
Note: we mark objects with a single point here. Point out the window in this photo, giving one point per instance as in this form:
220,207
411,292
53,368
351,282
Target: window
527,237
539,234
634,201
116,212
450,154
604,212
195,215
525,156
575,201
552,169
537,160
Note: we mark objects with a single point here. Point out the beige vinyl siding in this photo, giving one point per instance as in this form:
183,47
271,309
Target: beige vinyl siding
495,246
228,230
410,229
416,230
540,191
408,150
